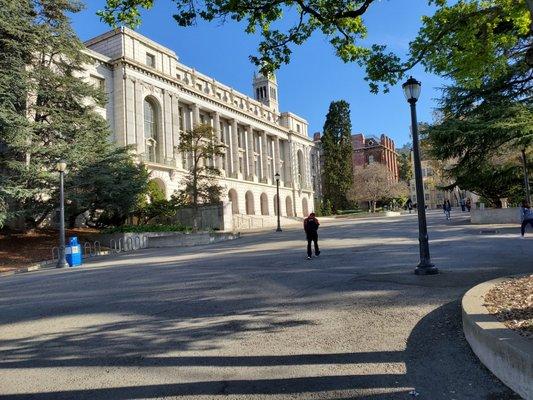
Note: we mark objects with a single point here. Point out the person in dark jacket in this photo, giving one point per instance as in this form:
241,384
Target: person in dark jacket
311,225
526,215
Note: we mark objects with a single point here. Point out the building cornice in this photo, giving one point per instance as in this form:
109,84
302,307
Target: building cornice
170,80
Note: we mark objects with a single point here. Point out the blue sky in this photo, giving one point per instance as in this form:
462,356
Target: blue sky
314,77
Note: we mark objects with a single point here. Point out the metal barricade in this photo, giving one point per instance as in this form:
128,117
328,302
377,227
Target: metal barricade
55,253
128,245
87,250
97,248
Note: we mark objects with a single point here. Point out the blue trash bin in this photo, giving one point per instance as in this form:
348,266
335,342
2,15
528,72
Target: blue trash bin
73,252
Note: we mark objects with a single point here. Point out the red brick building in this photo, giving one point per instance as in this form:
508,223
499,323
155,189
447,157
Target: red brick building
371,149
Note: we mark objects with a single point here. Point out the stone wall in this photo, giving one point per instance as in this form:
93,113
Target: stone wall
495,216
216,216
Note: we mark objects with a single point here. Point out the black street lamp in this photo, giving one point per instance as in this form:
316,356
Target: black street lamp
61,166
411,89
277,201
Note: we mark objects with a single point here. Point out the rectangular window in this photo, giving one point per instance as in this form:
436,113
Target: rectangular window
298,128
98,82
241,165
150,60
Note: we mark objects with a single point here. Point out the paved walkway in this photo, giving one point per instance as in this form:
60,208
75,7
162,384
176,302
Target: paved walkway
252,319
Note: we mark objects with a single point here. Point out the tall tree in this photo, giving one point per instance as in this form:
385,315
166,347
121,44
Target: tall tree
17,37
200,145
337,148
404,163
480,136
373,183
465,40
51,115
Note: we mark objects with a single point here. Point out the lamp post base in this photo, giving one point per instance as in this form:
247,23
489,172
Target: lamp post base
63,264
279,230
428,269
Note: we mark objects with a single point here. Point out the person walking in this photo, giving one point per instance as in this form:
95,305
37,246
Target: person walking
468,204
463,204
410,206
526,217
311,225
447,209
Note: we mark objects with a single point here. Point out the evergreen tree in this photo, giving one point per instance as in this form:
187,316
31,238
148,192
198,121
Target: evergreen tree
51,115
405,169
337,147
481,136
16,43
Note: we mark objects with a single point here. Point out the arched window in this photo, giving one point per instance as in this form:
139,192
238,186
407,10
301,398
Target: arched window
250,207
151,129
264,204
232,195
288,206
305,208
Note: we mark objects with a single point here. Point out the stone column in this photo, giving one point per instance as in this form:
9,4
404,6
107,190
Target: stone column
289,164
277,158
175,129
234,149
264,158
248,134
139,123
195,115
119,109
130,112
217,132
167,128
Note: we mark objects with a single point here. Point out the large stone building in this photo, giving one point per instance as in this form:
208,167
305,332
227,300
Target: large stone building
153,98
372,149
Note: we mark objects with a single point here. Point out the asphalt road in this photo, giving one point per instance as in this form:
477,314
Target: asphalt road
253,319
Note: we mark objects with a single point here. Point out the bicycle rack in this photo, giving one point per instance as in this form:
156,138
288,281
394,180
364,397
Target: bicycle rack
97,248
55,253
87,246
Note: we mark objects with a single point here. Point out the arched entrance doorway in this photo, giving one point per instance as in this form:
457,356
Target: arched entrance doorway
305,208
232,196
288,207
250,207
264,204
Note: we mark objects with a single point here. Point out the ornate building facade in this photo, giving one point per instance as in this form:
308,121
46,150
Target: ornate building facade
152,98
372,149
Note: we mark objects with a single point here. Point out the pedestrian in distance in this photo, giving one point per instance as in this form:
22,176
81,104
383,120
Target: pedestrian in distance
463,205
410,206
447,209
526,216
311,225
468,205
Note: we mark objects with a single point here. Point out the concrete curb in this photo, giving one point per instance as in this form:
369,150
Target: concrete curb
504,352
49,264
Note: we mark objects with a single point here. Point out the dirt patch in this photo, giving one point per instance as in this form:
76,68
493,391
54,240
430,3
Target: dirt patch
512,303
21,250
